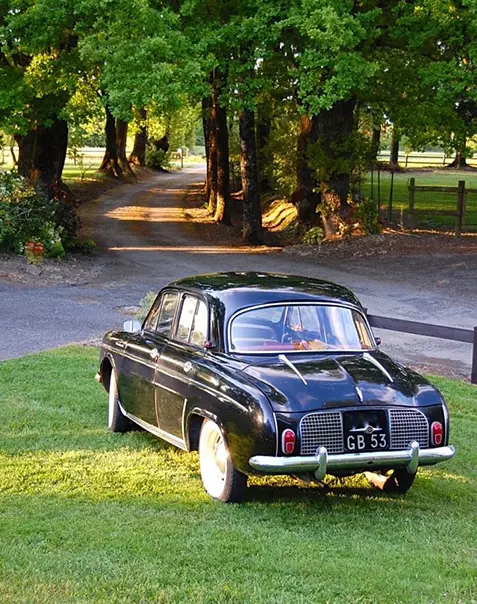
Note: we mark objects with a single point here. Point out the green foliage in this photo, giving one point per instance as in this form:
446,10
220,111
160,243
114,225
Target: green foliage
313,236
26,215
368,217
82,245
157,159
145,305
280,153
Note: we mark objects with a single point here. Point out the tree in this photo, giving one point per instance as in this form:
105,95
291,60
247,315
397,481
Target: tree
138,154
39,69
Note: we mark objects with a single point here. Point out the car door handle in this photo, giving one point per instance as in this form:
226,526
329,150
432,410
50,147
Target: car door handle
154,354
187,367
120,344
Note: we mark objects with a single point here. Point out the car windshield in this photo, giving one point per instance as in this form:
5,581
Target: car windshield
299,328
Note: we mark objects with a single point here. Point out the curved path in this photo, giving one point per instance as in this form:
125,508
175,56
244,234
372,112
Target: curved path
143,247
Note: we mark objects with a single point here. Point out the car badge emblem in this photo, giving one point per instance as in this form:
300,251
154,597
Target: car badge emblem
369,430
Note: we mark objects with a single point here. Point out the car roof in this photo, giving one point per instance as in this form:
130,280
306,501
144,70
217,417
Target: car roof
236,290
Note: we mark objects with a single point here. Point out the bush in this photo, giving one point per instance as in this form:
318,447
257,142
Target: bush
313,236
368,217
145,305
82,245
157,159
27,215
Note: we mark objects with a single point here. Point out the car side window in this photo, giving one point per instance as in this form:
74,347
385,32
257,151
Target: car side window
167,313
151,321
198,334
186,318
193,321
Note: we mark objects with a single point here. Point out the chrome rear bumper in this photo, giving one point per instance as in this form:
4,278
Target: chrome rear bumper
322,463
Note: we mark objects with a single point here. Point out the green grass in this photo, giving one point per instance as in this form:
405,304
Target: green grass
436,201
86,515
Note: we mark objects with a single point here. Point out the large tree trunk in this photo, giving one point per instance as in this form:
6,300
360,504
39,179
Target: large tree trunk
394,157
210,139
121,142
42,154
264,125
222,210
138,154
252,216
110,163
460,161
334,128
306,196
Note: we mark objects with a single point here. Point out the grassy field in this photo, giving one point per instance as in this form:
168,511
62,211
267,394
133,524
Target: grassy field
89,516
435,201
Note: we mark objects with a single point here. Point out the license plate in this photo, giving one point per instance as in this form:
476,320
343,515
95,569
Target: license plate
365,431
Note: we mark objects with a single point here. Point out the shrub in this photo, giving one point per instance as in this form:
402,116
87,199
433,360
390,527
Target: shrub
27,215
84,246
368,217
313,236
157,159
145,305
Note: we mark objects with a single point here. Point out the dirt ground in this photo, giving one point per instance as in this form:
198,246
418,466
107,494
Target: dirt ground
152,232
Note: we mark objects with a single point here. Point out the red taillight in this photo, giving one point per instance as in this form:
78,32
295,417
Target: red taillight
437,433
288,441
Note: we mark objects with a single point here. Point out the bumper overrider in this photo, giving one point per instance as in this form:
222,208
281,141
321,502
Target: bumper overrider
321,463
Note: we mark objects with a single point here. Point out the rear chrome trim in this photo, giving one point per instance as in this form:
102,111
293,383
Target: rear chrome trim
359,462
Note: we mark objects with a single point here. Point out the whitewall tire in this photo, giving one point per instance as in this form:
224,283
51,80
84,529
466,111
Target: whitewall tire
117,422
219,477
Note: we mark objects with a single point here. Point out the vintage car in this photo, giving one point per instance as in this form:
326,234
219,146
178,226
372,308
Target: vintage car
271,374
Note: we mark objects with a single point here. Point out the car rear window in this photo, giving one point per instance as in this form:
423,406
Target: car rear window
299,328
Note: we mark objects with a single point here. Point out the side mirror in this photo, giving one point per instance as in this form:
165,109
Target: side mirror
132,326
378,341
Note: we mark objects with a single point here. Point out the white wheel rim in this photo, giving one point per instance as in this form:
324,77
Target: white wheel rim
213,460
112,399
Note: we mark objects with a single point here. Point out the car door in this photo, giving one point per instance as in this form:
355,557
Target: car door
176,366
136,378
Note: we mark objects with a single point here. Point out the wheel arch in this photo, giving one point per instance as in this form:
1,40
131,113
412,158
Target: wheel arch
106,368
193,420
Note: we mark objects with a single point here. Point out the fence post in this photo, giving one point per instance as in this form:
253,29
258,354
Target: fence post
407,158
390,203
460,207
412,193
473,375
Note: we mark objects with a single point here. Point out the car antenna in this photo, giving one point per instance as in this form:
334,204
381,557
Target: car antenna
284,359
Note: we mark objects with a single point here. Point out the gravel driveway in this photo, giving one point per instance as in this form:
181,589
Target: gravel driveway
142,246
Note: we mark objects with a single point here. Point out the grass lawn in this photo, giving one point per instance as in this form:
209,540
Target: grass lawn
436,201
86,515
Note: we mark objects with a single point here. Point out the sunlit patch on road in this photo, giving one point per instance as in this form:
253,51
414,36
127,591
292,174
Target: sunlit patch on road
197,249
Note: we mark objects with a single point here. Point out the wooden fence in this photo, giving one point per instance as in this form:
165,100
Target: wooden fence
434,159
460,192
454,334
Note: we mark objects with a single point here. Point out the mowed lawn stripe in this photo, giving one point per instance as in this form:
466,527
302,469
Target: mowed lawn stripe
86,515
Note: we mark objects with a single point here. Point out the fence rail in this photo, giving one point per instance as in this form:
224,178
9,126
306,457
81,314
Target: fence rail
461,194
428,159
443,332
